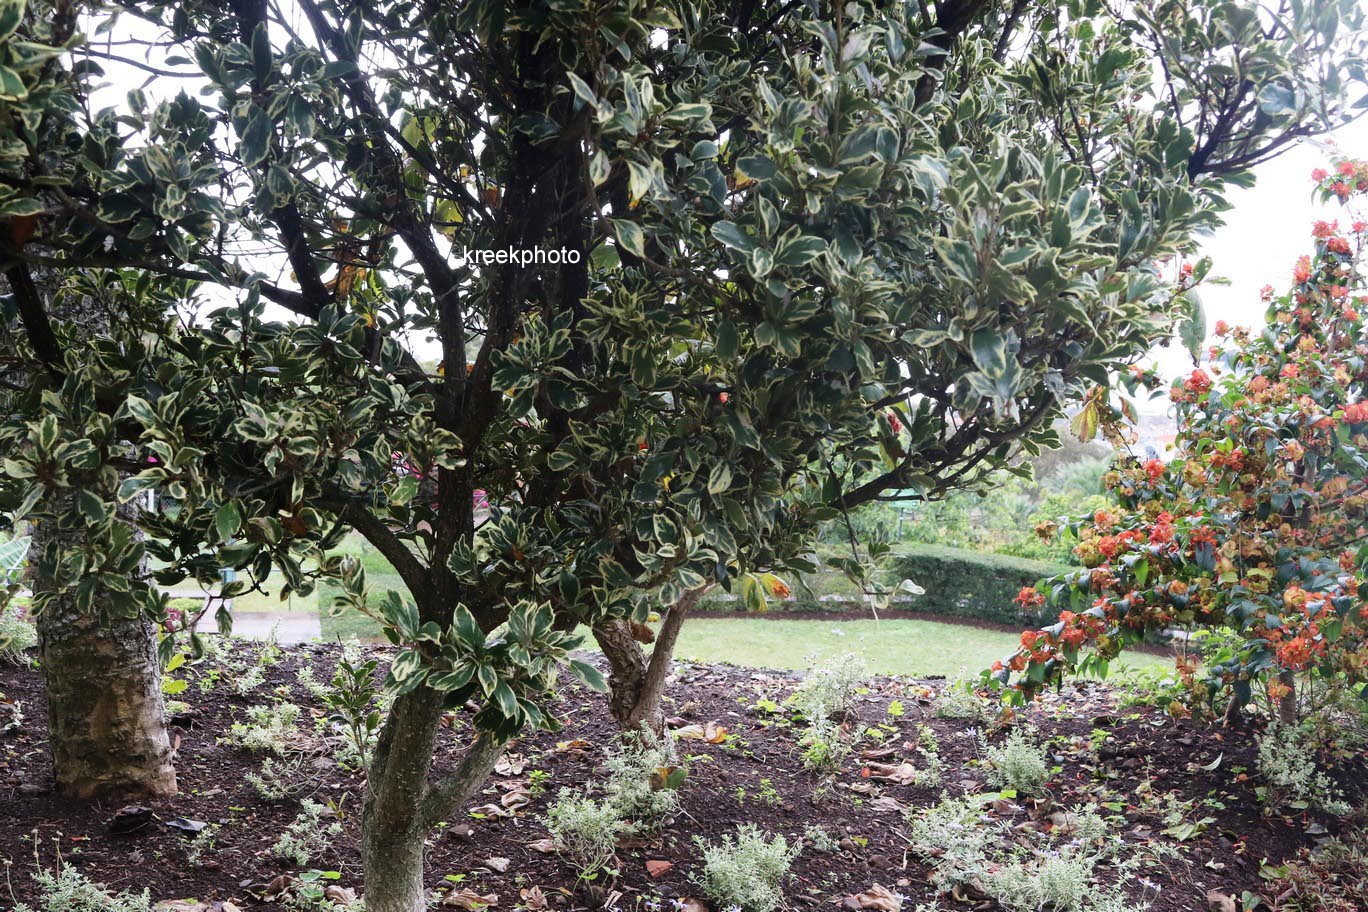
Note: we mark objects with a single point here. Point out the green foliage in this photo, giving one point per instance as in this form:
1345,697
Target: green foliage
1003,519
643,781
819,260
959,699
970,584
1018,763
829,690
1252,526
281,778
352,699
17,634
746,871
309,835
1287,761
268,728
1075,866
585,830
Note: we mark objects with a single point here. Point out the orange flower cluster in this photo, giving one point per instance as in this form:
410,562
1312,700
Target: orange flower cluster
1253,524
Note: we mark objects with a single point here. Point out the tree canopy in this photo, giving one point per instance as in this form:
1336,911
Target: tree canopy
822,254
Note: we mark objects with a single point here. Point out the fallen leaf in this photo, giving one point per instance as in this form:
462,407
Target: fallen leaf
533,898
577,744
690,904
469,900
901,773
545,846
185,825
497,863
657,868
339,896
878,753
511,765
711,733
886,804
877,897
1220,902
516,798
490,810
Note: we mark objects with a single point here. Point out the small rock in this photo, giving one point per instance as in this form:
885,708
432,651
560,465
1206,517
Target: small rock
462,831
658,867
185,825
497,863
130,819
880,861
31,788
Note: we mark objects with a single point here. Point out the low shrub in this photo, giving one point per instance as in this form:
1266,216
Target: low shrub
972,584
828,690
1287,762
1018,763
643,780
747,871
960,700
585,830
278,781
268,728
17,634
827,744
71,891
1058,870
307,836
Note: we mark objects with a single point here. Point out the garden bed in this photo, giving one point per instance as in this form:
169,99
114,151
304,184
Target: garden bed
1123,760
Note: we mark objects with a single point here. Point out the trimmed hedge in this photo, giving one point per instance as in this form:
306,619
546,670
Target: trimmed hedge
972,584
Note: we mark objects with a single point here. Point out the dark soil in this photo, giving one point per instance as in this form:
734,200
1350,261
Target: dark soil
753,776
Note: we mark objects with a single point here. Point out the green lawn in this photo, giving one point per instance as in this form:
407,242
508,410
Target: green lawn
915,648
904,647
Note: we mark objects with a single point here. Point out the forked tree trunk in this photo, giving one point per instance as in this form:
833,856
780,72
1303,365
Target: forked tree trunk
107,729
401,807
636,681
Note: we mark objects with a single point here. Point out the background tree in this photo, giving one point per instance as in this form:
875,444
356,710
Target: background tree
824,255
1255,525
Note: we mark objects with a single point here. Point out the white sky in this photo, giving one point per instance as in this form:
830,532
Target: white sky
1268,227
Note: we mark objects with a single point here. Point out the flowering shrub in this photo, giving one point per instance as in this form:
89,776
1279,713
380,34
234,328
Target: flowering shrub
1255,523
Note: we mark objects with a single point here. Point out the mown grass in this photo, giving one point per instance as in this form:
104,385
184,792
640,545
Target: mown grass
915,648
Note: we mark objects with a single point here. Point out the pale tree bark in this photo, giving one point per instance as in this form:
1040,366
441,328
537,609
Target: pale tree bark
637,681
402,805
107,729
106,722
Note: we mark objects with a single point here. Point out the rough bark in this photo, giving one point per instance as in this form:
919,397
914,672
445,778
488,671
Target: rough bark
401,806
637,682
106,718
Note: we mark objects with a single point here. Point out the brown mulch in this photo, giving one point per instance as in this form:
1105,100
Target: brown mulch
753,776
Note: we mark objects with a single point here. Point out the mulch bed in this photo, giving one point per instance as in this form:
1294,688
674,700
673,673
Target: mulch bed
753,776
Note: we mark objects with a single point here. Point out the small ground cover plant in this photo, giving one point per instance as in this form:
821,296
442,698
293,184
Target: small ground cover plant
746,871
68,890
309,835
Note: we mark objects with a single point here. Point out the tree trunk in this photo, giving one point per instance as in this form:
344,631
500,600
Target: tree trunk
107,729
636,683
401,807
1287,703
